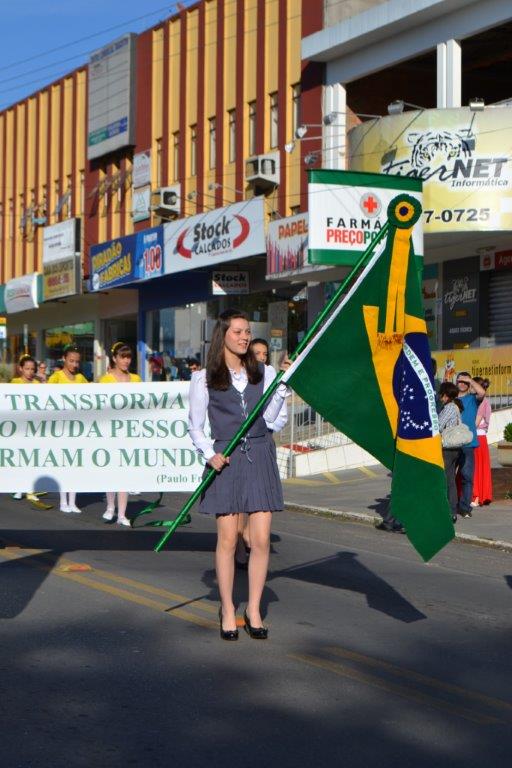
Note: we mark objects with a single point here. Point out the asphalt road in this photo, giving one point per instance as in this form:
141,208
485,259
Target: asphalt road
374,658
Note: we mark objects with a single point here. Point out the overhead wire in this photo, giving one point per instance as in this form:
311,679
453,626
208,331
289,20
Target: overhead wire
63,75
87,37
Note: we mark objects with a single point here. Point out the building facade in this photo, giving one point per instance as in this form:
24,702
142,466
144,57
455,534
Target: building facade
98,170
422,90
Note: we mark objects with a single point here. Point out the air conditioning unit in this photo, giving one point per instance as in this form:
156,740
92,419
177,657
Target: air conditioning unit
262,171
166,201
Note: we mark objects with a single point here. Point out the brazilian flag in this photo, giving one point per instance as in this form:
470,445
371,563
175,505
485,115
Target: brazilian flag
368,372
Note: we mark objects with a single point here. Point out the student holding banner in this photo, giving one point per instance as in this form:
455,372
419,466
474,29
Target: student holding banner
120,359
27,368
70,374
248,481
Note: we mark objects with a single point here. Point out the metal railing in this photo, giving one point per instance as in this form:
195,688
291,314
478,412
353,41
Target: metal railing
306,430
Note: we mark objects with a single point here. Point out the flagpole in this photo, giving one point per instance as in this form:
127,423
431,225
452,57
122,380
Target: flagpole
245,427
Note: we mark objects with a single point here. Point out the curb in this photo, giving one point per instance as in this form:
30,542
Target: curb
363,518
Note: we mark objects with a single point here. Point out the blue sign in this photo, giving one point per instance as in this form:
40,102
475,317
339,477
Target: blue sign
127,259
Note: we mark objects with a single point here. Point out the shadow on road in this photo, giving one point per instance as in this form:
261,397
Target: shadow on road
19,583
344,571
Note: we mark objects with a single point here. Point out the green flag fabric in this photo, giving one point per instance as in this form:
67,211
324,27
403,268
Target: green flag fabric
368,372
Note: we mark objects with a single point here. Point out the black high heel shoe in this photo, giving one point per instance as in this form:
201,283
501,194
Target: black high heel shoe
257,633
227,634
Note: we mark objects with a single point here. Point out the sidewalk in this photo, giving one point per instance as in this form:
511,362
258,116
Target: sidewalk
360,494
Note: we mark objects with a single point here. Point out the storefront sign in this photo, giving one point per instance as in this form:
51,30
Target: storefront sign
61,241
460,303
61,278
430,291
21,294
127,259
348,210
287,245
111,92
499,260
462,157
61,259
226,234
229,283
141,171
141,201
489,362
68,436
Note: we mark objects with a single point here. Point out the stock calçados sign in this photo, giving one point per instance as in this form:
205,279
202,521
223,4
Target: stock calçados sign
225,234
127,259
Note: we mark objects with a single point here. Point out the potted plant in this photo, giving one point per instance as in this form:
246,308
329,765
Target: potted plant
505,447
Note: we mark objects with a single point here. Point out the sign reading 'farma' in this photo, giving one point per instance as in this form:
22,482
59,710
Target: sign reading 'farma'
348,210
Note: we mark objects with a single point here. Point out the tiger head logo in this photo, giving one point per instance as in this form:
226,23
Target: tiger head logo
436,148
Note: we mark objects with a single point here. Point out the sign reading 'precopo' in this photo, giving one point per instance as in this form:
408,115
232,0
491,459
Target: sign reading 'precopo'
226,234
348,210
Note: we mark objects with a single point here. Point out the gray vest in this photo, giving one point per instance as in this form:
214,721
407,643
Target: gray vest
228,409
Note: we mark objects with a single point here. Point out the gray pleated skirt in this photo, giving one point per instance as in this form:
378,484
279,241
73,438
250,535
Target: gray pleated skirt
249,483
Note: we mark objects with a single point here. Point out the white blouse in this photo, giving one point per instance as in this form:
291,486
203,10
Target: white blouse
275,414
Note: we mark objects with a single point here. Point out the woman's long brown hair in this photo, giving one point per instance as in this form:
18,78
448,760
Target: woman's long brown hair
217,374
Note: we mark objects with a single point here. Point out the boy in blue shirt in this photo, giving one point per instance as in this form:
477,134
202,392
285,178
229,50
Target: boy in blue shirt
470,393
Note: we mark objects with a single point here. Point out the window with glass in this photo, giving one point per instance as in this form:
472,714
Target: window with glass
274,120
159,162
176,155
212,127
252,128
232,135
296,121
173,336
193,150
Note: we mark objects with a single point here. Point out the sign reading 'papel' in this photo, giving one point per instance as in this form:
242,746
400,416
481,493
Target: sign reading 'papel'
94,438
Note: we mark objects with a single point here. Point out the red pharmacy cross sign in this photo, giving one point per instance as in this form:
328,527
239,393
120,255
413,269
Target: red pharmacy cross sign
370,204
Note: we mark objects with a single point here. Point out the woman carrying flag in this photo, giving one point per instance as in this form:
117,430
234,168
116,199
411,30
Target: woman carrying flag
120,359
248,481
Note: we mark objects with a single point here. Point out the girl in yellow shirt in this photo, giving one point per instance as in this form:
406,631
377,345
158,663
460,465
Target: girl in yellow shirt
70,374
120,359
27,368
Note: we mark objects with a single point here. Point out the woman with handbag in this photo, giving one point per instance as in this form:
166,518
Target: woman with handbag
454,434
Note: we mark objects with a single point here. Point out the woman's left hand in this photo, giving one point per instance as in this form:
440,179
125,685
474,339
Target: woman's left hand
285,364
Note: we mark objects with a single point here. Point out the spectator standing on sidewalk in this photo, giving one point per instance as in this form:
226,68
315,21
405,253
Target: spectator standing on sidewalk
470,393
450,416
482,480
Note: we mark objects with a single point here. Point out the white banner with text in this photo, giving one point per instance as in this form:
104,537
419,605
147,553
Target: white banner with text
95,437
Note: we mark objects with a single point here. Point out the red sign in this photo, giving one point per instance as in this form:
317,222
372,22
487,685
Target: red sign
498,261
371,204
503,260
